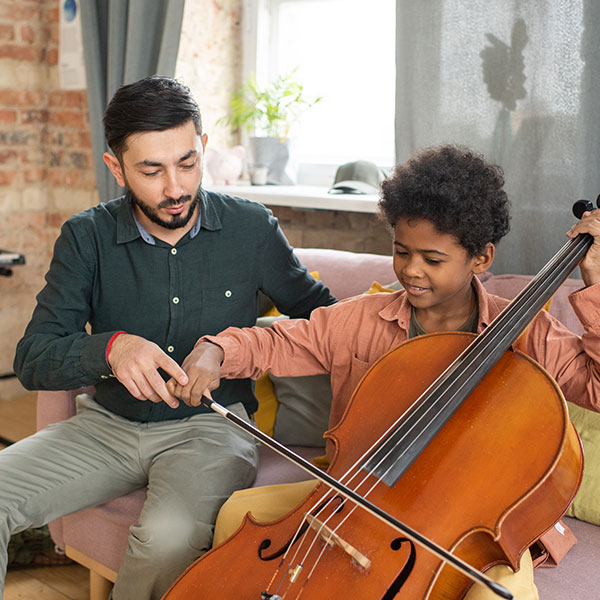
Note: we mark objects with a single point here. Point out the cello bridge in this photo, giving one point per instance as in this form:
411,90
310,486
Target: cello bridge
331,538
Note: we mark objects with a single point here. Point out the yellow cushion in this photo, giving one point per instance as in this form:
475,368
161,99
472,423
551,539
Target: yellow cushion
266,503
377,288
520,583
267,405
272,312
586,505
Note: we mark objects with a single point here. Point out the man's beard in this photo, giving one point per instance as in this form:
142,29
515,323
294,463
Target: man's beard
176,221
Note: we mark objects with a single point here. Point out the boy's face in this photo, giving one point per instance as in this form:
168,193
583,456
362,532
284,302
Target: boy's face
435,270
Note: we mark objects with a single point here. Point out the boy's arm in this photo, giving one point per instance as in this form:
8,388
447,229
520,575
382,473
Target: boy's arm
573,361
288,348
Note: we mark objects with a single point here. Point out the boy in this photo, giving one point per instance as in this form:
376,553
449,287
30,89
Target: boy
448,211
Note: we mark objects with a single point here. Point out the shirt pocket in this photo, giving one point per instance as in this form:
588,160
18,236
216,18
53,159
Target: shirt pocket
228,305
358,368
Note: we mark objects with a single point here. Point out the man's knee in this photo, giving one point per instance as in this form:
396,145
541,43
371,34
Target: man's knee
171,538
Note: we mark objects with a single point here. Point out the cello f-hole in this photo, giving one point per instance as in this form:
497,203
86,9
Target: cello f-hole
396,545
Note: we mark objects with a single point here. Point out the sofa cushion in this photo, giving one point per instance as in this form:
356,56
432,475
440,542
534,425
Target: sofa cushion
576,578
304,406
346,273
586,505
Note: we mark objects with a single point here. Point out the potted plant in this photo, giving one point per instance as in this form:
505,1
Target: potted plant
269,113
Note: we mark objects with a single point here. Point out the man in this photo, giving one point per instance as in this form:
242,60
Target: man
149,272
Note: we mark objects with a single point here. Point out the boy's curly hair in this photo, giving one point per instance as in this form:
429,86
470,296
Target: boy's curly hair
453,188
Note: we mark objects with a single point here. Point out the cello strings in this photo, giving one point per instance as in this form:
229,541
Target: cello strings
347,477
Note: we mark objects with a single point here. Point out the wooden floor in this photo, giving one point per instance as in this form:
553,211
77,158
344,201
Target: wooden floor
69,582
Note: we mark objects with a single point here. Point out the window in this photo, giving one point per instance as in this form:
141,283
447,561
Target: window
343,50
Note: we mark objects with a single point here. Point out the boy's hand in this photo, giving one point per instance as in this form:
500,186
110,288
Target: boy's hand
135,362
590,265
203,366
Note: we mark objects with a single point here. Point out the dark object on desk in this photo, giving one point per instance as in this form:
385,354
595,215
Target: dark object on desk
9,259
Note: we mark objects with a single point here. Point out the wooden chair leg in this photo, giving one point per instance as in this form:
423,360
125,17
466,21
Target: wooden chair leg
99,586
101,577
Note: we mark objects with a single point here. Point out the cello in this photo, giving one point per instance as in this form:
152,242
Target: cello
482,459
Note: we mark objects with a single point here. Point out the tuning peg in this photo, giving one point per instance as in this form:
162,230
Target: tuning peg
581,206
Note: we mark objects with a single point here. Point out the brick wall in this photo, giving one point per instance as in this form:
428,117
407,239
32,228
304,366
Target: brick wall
46,171
312,228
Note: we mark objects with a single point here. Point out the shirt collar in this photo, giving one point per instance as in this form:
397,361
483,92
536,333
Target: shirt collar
129,228
126,227
485,301
397,310
210,217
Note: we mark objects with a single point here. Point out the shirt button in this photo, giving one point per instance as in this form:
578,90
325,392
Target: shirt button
170,348
228,294
176,300
173,251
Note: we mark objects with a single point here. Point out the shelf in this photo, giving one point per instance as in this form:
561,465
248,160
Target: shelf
300,196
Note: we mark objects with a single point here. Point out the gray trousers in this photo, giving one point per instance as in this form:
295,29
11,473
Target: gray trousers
191,466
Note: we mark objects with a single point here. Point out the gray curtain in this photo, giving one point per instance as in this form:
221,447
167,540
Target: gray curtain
124,40
519,82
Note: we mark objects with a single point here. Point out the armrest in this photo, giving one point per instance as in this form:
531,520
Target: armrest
57,406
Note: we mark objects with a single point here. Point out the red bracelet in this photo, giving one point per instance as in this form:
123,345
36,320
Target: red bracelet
110,343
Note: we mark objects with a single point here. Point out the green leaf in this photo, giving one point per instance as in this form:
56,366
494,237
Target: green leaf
270,111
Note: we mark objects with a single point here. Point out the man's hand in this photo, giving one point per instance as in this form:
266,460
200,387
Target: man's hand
202,365
590,265
135,362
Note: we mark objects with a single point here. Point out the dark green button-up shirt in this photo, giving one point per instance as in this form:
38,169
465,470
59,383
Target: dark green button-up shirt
104,274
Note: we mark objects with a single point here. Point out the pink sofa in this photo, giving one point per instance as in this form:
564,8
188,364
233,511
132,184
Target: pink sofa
97,537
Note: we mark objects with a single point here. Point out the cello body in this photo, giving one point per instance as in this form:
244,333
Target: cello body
501,472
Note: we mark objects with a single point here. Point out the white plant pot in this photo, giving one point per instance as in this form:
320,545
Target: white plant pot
274,154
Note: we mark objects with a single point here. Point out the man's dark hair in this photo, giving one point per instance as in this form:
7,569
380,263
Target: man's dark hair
151,104
453,188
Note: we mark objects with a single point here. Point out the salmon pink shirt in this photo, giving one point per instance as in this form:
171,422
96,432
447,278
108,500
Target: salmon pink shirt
345,339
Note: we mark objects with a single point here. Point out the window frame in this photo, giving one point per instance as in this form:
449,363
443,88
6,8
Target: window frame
258,34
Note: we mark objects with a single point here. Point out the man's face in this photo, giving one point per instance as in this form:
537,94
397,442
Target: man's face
163,172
